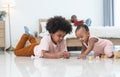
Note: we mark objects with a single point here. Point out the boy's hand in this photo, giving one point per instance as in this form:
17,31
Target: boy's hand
60,54
66,55
81,56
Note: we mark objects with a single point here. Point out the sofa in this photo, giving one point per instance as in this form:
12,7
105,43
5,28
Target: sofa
111,33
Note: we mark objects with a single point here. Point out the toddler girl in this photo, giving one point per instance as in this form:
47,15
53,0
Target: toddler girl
89,43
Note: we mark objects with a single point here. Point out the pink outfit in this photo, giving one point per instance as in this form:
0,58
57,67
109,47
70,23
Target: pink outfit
47,45
102,46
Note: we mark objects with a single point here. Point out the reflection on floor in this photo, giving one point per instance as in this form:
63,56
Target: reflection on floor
12,66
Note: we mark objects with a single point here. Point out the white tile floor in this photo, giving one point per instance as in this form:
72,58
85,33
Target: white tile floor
12,66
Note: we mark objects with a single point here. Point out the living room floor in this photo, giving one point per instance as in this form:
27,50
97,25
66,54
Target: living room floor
12,66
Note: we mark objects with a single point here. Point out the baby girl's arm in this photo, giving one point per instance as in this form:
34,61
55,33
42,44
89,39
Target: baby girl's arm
92,41
83,48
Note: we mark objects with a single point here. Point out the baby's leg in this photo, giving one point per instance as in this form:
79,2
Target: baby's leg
108,50
117,53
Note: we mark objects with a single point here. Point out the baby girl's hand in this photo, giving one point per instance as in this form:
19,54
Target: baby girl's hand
66,55
81,56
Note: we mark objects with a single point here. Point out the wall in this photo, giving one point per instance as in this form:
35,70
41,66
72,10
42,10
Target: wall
27,13
117,12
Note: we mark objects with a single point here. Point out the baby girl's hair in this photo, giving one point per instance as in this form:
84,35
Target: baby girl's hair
82,26
58,23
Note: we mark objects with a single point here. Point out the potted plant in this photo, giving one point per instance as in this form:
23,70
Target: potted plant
2,15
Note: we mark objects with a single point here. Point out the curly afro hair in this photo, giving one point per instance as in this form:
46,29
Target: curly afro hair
58,23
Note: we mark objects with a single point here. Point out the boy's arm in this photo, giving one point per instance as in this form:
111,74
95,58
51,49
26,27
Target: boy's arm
46,54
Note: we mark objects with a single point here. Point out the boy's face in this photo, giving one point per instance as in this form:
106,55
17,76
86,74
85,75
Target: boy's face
58,36
82,35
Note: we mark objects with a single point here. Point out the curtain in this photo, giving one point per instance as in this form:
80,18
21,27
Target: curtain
108,10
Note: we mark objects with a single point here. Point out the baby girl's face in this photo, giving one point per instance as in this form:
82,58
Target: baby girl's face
58,36
82,35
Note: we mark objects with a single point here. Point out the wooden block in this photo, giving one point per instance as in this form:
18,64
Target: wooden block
115,58
119,54
102,56
90,57
97,57
116,55
105,57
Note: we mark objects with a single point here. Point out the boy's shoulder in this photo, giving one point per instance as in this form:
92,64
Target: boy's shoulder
47,37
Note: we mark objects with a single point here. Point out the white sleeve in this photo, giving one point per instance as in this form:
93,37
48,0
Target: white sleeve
43,45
